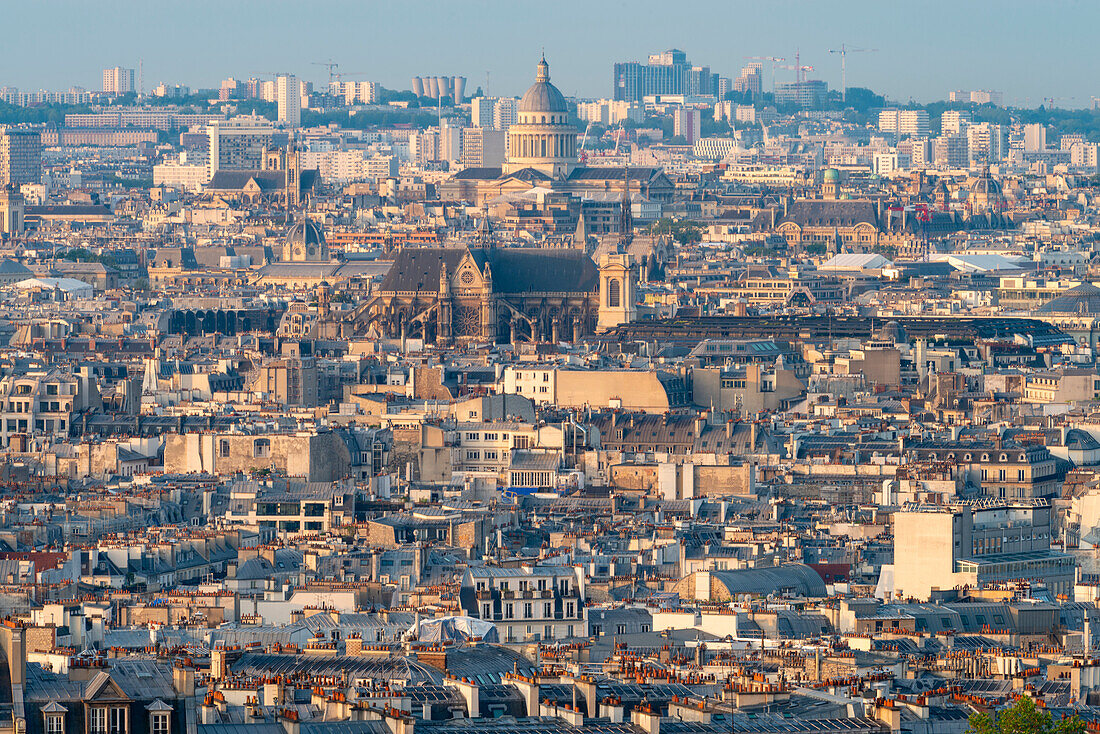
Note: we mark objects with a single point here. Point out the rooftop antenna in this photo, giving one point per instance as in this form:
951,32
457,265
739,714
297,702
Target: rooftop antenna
141,77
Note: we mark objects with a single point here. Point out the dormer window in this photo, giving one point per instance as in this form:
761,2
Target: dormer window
160,717
53,715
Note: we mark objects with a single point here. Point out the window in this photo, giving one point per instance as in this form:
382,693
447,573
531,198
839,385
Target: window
527,611
98,724
261,448
473,455
55,723
472,436
223,448
160,722
613,296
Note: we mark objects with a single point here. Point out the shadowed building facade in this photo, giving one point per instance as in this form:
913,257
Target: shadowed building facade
458,294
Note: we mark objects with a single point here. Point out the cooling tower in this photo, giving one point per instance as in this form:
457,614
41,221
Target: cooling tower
444,86
418,86
433,87
458,85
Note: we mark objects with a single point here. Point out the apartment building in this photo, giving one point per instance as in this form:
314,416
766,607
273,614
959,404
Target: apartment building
904,123
527,603
118,80
288,96
939,547
291,509
20,156
238,143
950,151
611,112
42,404
482,147
647,390
498,450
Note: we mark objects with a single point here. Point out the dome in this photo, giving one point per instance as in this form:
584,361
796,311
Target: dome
305,232
894,332
986,184
543,96
1083,300
831,175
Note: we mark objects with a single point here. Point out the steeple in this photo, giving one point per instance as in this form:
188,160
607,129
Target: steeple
542,73
626,217
484,228
580,234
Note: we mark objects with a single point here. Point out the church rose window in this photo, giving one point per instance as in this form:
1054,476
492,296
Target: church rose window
467,278
467,321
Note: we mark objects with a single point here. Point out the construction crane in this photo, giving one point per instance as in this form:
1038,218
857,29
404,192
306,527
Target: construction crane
584,139
332,66
774,60
347,75
844,51
1053,102
618,138
798,69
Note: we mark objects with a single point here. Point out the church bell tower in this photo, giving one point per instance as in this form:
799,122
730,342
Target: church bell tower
618,290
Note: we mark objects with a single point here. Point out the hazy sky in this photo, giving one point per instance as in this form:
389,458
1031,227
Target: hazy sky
1026,49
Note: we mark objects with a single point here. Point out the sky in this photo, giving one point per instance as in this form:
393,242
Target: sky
1029,50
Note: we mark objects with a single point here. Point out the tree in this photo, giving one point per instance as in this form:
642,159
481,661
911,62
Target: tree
1024,717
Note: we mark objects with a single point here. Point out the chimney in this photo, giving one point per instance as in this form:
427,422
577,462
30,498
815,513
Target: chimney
646,719
612,709
470,692
271,694
183,680
529,689
353,645
586,686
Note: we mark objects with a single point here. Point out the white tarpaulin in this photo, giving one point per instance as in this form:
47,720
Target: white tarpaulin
454,629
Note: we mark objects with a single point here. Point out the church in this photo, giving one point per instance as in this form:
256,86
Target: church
480,292
542,152
491,294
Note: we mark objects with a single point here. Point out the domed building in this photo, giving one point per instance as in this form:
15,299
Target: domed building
1076,312
542,153
830,184
305,243
986,194
542,137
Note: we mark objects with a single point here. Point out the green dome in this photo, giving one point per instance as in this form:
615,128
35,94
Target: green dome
831,175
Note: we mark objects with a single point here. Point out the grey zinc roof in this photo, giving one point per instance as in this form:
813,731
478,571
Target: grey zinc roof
795,577
827,213
514,270
479,173
1084,299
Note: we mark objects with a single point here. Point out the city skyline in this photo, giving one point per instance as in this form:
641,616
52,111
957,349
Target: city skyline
581,41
